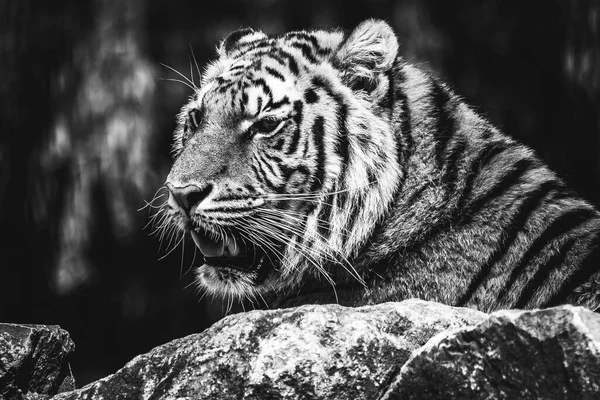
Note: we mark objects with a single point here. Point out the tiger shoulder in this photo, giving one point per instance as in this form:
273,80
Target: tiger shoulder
318,166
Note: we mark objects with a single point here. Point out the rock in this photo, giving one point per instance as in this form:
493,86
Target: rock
34,361
413,350
541,354
309,352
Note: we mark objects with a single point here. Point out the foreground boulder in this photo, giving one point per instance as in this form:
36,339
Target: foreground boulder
34,361
409,350
542,354
309,352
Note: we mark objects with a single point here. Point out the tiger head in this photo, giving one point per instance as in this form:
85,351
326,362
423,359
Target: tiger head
285,157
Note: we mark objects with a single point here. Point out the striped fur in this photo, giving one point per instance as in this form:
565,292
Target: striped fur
378,184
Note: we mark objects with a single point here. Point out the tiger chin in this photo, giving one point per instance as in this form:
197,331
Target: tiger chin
318,166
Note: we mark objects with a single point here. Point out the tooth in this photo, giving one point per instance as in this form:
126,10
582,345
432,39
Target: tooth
196,239
232,247
207,246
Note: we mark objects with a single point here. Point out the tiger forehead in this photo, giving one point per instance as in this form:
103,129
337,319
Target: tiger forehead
314,46
248,92
264,76
281,56
245,72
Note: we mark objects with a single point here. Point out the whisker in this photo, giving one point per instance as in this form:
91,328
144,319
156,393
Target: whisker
174,247
182,254
305,252
164,224
173,232
261,241
191,71
193,260
291,214
152,220
329,257
195,62
156,196
177,80
312,200
317,194
263,299
193,87
152,206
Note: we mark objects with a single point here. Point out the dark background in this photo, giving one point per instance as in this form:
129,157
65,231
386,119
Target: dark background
86,122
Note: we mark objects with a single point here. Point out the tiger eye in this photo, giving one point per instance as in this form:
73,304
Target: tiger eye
266,125
195,118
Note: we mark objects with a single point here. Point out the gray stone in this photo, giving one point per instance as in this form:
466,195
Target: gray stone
34,361
309,352
540,354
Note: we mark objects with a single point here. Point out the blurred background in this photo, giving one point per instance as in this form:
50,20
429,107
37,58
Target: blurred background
86,121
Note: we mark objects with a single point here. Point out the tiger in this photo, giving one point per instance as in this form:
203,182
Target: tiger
319,166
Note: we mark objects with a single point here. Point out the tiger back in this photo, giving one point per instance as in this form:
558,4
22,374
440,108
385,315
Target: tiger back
316,167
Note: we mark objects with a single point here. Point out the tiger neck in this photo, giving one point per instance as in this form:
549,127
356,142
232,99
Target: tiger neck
364,194
424,204
401,219
359,196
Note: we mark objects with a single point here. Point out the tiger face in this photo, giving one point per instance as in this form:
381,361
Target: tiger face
285,158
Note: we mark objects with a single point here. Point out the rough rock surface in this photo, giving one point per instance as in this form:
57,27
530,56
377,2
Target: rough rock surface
542,354
309,352
34,361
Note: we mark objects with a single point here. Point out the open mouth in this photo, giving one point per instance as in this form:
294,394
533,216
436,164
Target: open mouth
230,252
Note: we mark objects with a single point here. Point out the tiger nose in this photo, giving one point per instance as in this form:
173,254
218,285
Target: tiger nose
187,197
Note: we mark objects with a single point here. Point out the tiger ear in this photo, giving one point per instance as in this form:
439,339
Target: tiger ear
237,38
366,55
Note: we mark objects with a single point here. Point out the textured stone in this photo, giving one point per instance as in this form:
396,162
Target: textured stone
541,354
309,352
34,361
